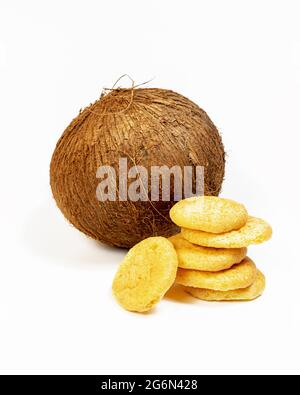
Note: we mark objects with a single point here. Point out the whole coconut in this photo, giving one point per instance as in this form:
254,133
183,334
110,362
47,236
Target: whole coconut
150,127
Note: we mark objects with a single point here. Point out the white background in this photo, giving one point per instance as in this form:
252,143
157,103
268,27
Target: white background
240,61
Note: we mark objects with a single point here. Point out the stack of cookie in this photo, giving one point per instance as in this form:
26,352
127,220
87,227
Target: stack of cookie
212,248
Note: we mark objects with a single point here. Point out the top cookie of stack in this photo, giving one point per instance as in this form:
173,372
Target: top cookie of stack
215,222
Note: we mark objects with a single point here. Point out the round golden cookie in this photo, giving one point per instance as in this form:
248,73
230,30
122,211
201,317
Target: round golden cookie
241,275
209,214
146,274
255,231
254,291
191,256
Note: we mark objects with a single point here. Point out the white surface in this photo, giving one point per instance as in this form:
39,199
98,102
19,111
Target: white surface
240,61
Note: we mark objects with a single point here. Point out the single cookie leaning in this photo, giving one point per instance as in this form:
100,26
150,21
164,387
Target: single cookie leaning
147,272
239,276
254,291
255,231
191,256
209,214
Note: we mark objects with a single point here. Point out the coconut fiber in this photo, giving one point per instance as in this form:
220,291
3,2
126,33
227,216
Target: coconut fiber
149,127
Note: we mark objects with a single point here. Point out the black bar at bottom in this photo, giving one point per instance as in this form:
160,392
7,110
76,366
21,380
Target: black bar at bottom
102,383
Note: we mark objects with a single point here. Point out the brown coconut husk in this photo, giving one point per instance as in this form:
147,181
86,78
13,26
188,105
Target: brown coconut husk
150,127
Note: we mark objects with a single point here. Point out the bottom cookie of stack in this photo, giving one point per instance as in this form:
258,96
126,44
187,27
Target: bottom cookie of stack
243,294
